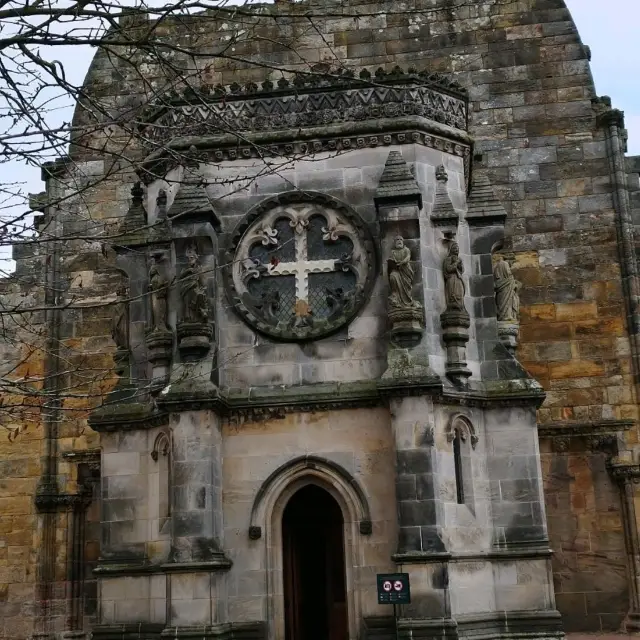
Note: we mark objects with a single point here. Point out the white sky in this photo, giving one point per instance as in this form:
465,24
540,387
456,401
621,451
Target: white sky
611,32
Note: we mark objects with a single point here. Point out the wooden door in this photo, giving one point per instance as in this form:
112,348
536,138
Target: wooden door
313,567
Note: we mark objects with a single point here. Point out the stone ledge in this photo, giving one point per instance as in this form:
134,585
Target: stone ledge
269,403
510,624
583,429
493,554
122,569
128,631
227,631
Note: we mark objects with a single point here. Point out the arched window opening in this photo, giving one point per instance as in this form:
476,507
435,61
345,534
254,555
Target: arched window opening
161,479
457,461
462,435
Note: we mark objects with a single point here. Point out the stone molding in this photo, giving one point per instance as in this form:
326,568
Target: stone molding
259,404
219,563
467,430
308,100
337,475
601,436
223,631
90,457
625,472
308,142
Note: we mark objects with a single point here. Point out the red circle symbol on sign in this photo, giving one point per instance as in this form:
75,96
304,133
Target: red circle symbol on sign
386,585
397,585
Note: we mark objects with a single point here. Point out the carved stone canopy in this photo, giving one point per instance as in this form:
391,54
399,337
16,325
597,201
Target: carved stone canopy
299,266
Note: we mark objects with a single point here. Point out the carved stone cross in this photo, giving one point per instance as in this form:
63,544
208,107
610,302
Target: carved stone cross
301,267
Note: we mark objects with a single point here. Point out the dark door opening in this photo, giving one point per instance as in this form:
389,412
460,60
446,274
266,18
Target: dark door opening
314,576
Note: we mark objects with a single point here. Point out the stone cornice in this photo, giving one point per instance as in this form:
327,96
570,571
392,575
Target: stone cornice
583,429
604,436
269,403
301,143
309,99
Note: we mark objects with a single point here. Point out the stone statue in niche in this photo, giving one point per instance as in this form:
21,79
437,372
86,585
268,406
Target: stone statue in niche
401,276
195,307
120,319
454,289
507,290
159,290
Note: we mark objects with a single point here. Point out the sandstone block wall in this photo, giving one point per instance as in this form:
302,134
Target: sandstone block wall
530,87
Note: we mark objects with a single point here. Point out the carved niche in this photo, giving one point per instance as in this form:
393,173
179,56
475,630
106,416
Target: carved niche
299,266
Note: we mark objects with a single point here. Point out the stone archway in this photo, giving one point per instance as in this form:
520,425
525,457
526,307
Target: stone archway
267,517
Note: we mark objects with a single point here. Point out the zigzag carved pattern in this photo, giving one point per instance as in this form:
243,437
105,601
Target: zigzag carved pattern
308,110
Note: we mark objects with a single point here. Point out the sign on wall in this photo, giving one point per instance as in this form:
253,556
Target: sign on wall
393,588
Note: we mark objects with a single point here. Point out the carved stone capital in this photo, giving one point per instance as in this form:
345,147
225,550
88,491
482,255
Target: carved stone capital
625,472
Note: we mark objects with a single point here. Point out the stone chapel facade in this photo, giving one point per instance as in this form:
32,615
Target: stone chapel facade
375,314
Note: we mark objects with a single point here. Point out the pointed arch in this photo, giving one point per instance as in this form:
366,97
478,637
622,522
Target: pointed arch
267,513
327,472
460,425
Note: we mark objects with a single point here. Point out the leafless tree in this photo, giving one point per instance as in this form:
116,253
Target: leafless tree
41,42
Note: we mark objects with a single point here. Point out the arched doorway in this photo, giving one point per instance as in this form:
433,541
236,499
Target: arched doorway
314,567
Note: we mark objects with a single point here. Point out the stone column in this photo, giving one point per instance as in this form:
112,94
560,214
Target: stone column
197,526
421,550
628,478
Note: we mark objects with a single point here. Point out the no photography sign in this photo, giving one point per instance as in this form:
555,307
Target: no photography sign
393,588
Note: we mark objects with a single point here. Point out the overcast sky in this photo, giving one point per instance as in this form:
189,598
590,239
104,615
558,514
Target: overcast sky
610,29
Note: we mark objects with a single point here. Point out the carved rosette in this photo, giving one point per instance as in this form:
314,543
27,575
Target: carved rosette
300,266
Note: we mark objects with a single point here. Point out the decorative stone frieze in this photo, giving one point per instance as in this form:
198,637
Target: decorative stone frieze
309,100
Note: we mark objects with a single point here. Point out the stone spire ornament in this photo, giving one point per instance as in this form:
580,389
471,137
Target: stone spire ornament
443,213
191,201
397,185
455,319
133,229
482,205
507,292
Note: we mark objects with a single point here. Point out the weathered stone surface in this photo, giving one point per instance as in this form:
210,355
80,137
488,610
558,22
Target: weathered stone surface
539,144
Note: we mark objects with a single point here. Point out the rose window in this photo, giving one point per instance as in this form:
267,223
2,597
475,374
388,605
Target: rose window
300,266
